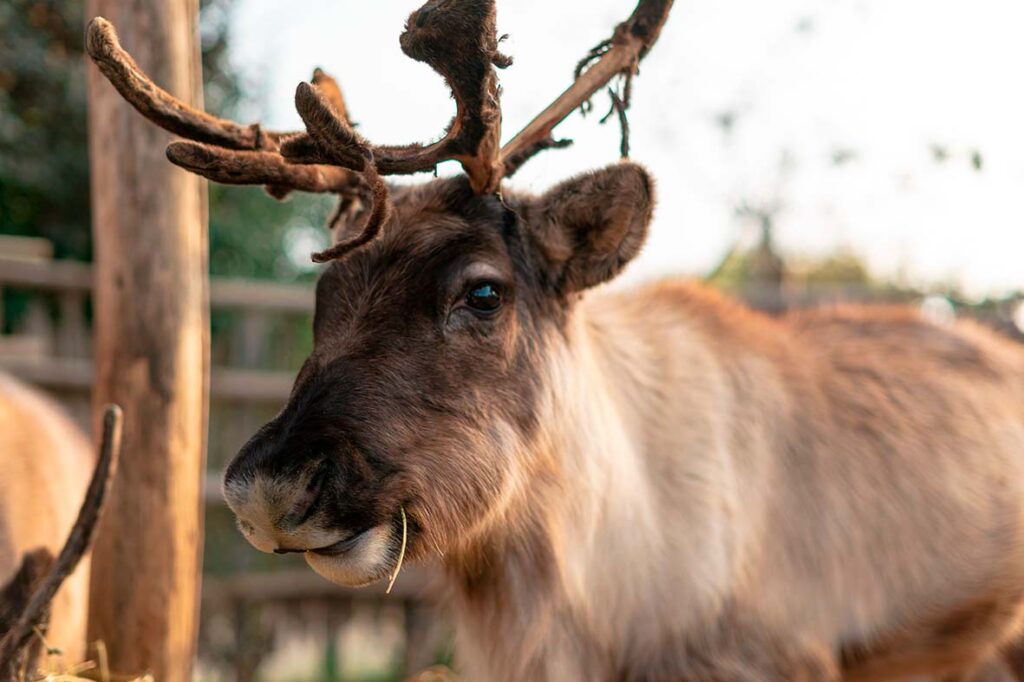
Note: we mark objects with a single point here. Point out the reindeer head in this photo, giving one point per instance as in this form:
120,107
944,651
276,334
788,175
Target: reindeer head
438,304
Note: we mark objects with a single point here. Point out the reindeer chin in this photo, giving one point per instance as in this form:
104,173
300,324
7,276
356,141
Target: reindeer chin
371,559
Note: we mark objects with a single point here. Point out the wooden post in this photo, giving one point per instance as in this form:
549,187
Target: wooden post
152,351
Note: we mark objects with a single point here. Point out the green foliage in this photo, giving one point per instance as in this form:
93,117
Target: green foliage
842,267
733,273
44,160
249,231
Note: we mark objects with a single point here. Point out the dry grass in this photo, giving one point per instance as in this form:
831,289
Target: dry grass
401,554
54,669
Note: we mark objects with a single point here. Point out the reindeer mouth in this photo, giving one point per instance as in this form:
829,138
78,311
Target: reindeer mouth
342,546
357,560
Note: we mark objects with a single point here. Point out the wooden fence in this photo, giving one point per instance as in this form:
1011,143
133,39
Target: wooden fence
249,382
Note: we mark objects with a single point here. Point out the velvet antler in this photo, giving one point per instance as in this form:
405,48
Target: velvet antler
456,38
618,56
332,139
221,150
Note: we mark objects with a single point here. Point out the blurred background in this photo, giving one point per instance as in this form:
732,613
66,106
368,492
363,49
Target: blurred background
807,152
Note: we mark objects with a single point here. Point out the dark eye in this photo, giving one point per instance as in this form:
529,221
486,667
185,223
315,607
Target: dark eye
484,298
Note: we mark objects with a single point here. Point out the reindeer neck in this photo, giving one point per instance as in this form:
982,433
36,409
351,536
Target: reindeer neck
573,535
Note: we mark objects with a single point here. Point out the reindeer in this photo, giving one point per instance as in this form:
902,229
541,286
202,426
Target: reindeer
45,467
653,485
31,599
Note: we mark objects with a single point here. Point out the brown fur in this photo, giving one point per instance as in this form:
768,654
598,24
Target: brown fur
45,463
654,485
650,486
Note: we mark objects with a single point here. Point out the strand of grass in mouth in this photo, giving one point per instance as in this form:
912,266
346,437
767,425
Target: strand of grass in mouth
401,554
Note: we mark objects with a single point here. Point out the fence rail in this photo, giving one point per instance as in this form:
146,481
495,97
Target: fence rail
72,276
75,374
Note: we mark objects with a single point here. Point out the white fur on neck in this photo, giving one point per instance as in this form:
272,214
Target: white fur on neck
619,579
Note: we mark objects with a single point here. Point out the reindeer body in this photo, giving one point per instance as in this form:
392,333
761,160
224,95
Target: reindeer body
649,486
727,497
45,464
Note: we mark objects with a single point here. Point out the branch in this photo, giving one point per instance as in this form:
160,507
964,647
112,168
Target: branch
620,55
77,544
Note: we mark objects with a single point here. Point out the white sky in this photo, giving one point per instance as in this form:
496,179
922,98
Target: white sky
887,79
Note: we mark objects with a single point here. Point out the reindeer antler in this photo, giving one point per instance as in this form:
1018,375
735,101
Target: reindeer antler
618,56
456,38
332,140
221,150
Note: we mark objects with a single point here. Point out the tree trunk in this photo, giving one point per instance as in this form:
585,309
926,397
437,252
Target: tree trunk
152,351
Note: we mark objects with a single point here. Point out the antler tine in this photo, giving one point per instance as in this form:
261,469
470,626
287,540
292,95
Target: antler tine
332,92
620,55
231,167
458,39
338,143
161,107
216,148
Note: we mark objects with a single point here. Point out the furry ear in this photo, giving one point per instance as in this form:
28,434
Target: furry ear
590,226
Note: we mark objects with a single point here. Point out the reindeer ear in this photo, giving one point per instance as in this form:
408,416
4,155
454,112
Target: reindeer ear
589,227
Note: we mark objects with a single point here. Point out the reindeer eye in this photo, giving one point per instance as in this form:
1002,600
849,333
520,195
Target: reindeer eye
484,298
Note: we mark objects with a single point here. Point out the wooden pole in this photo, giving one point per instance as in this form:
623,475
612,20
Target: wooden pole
152,351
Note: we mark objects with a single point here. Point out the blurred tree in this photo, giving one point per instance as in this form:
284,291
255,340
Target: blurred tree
44,163
250,233
762,266
759,266
841,267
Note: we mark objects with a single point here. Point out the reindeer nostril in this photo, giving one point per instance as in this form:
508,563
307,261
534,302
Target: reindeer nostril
306,504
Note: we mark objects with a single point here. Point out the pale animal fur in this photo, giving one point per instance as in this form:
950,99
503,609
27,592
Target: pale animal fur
649,485
45,465
729,497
